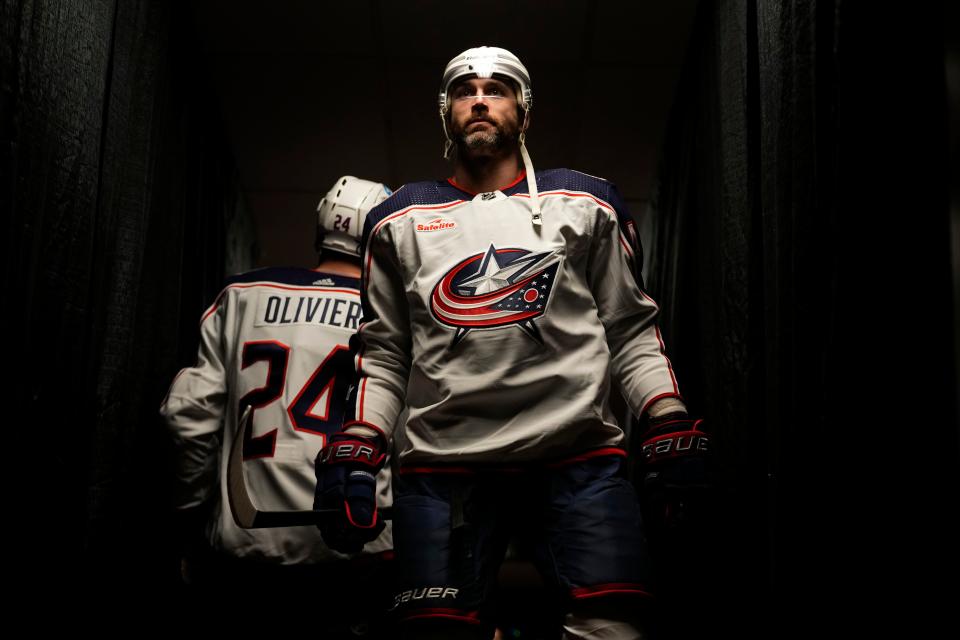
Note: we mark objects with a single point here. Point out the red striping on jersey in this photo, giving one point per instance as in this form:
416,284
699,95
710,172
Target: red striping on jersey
472,617
393,216
523,174
582,593
213,307
271,285
649,299
663,347
663,352
363,392
579,194
572,194
369,425
453,470
658,397
596,453
358,408
529,466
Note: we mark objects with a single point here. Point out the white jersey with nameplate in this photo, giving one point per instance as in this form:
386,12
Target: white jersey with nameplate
275,340
507,332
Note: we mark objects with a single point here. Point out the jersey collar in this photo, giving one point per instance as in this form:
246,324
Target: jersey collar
504,189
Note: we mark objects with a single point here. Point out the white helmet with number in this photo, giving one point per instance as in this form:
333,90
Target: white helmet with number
342,212
486,62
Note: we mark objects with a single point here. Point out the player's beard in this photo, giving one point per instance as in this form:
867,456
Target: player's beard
487,142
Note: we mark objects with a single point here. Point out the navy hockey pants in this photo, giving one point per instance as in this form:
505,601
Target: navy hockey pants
451,532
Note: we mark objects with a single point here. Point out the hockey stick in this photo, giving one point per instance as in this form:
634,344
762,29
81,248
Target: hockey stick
246,514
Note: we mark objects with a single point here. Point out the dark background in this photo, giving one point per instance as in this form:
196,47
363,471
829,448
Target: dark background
793,167
310,91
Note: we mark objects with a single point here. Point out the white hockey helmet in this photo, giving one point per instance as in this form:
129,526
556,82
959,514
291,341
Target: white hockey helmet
484,62
342,212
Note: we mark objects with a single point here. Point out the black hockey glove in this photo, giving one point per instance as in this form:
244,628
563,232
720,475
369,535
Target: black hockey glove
675,466
347,480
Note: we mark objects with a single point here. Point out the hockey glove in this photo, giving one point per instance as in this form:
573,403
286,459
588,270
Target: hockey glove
347,481
676,474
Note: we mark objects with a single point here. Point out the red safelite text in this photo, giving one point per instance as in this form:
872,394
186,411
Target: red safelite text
435,226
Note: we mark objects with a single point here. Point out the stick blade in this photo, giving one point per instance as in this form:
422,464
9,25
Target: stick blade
241,506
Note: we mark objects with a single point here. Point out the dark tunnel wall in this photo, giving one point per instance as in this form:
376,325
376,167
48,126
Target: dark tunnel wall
802,259
117,193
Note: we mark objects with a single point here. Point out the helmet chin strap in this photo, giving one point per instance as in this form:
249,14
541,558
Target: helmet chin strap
536,216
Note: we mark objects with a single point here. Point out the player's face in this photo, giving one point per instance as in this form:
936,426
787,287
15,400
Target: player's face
484,117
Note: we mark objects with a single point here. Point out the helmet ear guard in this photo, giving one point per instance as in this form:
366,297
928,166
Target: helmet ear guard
342,212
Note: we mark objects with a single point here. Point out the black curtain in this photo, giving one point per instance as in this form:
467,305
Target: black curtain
117,191
802,260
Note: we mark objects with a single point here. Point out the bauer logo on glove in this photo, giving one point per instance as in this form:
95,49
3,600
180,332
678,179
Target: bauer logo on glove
676,469
677,436
347,482
352,451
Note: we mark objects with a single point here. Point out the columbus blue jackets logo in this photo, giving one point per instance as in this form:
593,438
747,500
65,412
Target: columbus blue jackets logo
496,289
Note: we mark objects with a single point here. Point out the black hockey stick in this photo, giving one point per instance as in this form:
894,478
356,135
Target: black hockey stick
246,514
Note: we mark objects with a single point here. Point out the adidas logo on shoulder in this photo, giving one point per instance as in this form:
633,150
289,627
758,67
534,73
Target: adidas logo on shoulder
324,282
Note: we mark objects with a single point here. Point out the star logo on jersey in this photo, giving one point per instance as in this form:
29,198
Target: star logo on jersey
495,289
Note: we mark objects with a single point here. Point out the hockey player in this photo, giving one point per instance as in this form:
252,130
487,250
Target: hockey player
498,304
275,341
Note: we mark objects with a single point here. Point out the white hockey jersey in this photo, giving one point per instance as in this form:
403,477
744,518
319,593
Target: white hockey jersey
499,336
276,340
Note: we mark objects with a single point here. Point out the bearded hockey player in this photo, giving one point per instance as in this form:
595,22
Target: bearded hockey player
275,341
498,304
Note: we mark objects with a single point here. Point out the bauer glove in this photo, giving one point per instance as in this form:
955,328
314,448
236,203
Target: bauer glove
347,481
675,466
